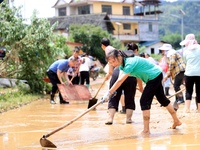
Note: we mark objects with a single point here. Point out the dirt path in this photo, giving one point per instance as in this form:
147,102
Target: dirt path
21,129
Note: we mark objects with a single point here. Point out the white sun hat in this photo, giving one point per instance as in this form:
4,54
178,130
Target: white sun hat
166,47
189,39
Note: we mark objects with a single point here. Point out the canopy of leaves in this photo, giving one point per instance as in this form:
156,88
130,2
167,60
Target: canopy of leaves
30,48
90,36
170,28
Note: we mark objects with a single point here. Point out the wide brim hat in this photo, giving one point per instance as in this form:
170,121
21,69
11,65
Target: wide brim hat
188,38
166,47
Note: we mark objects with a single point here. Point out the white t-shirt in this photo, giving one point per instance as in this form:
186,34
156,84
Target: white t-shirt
85,66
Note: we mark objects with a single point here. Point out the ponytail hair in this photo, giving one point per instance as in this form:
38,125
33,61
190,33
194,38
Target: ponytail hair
132,46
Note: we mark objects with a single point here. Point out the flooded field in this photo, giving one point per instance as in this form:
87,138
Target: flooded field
22,129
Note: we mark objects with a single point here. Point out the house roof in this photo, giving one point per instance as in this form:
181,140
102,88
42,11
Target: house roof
101,20
149,43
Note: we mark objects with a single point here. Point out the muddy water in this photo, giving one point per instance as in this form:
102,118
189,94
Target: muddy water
21,129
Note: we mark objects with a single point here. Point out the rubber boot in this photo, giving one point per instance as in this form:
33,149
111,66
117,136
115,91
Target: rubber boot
88,86
180,98
61,100
52,95
167,91
129,113
112,112
123,111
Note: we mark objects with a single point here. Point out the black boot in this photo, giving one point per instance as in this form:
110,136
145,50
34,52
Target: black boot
180,99
123,111
61,100
167,91
52,98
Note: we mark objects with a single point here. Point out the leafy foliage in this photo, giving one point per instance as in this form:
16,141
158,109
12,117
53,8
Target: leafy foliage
90,36
171,21
30,48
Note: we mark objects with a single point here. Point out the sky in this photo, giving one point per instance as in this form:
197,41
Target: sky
43,7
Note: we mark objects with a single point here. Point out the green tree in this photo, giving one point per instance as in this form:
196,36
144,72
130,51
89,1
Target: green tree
90,36
173,39
30,48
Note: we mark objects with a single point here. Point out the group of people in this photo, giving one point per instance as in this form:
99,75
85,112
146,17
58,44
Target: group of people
151,74
74,70
129,73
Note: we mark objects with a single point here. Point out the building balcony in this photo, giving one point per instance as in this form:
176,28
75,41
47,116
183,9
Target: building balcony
127,37
128,18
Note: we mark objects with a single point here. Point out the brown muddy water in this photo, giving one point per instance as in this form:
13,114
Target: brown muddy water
21,129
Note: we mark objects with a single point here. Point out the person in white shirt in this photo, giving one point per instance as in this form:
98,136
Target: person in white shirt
85,70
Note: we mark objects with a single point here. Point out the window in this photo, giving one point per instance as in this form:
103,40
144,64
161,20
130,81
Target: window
135,31
152,51
62,11
84,9
107,9
126,10
127,26
150,27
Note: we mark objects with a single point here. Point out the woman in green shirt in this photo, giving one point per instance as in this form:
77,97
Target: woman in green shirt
150,74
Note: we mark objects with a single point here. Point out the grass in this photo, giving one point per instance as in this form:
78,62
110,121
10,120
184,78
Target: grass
11,98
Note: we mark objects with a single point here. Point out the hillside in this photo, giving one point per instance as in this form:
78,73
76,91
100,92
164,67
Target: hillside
171,19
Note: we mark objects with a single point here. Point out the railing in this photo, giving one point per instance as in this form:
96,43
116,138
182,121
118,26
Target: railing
127,37
134,18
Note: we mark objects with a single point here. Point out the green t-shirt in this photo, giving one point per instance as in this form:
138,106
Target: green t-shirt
141,68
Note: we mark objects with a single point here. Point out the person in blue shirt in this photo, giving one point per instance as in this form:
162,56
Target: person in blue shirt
191,56
151,75
56,71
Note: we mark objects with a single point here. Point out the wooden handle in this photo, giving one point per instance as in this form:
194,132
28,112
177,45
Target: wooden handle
100,88
73,120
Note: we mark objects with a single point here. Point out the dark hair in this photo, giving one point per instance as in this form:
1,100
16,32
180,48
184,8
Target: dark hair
76,49
142,55
114,54
105,42
73,59
132,46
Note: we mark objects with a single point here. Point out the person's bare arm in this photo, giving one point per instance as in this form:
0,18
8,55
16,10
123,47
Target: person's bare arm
67,78
110,71
139,82
59,74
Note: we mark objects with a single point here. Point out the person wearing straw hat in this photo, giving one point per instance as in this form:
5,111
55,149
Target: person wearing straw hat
175,71
191,57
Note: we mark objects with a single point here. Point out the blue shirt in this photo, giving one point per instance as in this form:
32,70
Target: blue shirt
141,68
61,64
192,60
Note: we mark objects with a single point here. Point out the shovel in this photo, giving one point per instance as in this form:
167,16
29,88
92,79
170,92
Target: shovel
48,144
93,101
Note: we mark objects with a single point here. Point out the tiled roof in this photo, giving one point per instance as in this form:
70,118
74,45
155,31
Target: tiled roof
148,43
101,20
